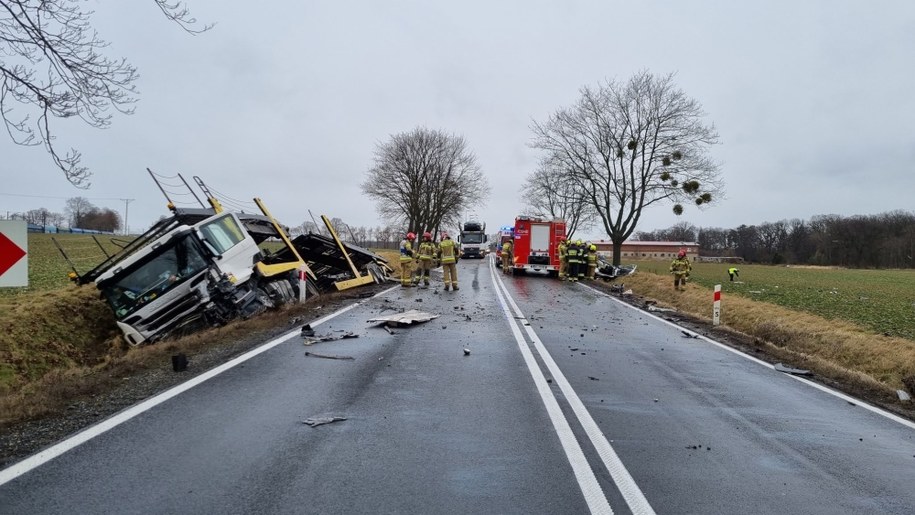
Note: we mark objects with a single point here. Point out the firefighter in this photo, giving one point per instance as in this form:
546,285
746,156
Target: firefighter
592,260
447,253
573,252
582,259
426,253
563,259
406,257
507,260
680,267
733,272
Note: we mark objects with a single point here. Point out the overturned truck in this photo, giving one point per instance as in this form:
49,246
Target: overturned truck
206,266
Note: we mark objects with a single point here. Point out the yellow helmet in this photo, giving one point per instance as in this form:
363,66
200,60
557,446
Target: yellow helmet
578,242
593,247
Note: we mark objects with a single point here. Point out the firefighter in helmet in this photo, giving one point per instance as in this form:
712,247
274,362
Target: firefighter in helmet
680,267
563,258
406,257
592,259
507,254
427,252
573,253
448,253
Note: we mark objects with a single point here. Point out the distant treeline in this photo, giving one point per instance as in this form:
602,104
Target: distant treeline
863,241
55,229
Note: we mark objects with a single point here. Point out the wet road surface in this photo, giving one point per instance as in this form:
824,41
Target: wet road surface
569,402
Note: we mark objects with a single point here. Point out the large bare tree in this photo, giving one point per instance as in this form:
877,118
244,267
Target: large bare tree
52,65
424,179
630,145
547,193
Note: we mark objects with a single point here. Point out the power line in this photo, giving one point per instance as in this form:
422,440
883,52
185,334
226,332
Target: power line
58,198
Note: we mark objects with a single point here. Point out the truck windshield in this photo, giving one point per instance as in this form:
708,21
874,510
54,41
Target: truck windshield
165,269
472,238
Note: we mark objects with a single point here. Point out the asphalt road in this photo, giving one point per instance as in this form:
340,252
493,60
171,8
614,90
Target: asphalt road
568,402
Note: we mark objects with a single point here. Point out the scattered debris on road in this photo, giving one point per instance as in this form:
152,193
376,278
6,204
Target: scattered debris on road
309,340
307,330
466,351
659,309
789,370
327,356
179,362
320,421
687,334
593,378
403,319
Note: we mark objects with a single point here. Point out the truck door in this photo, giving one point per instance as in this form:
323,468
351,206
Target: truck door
540,238
233,247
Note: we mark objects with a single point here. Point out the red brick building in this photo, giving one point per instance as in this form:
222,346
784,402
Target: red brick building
662,250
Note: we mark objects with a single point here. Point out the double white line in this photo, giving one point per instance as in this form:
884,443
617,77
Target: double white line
590,488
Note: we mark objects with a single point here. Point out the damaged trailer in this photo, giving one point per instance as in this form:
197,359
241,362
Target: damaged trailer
206,266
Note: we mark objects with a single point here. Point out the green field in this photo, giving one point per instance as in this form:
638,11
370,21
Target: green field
880,300
47,267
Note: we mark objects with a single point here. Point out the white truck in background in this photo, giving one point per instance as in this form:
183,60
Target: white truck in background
473,239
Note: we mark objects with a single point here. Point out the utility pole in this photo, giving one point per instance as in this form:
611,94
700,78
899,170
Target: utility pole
127,202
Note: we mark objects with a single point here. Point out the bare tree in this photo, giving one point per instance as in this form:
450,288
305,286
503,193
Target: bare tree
630,145
76,209
547,193
424,179
51,63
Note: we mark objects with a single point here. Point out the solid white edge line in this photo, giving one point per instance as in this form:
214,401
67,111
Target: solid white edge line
35,460
627,486
808,382
584,474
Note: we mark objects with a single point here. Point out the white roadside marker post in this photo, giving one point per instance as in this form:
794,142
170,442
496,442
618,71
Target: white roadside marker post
303,282
716,306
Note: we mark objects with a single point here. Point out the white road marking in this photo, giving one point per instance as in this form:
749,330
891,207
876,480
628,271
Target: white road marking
12,472
590,488
830,391
627,486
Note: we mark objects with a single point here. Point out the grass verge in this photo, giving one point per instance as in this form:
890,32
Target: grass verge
837,350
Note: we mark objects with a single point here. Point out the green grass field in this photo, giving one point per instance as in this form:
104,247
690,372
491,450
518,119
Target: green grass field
47,267
880,300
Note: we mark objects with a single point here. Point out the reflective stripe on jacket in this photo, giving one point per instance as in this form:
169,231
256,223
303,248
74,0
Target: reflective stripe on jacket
446,250
426,250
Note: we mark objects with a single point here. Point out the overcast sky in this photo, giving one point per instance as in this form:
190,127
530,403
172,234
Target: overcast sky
814,101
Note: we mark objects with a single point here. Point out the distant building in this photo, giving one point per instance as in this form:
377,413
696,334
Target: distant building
663,250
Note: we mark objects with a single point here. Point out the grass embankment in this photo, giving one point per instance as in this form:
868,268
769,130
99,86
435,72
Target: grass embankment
810,318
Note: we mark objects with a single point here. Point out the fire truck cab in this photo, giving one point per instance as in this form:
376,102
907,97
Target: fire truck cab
536,244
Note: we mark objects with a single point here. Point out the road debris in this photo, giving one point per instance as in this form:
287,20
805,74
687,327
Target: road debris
687,334
307,330
320,421
903,395
660,309
388,329
466,351
593,378
790,370
403,319
309,340
327,356
179,362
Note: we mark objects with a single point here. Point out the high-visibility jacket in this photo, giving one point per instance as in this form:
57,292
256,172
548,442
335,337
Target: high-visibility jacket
573,253
427,250
406,251
563,251
592,255
732,271
680,266
507,249
447,251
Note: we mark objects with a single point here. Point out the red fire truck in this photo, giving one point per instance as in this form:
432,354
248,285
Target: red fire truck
536,245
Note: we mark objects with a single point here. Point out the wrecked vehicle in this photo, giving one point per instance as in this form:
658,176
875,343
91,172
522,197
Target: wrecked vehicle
207,266
607,271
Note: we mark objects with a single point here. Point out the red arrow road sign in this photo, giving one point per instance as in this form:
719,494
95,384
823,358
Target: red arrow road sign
10,253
